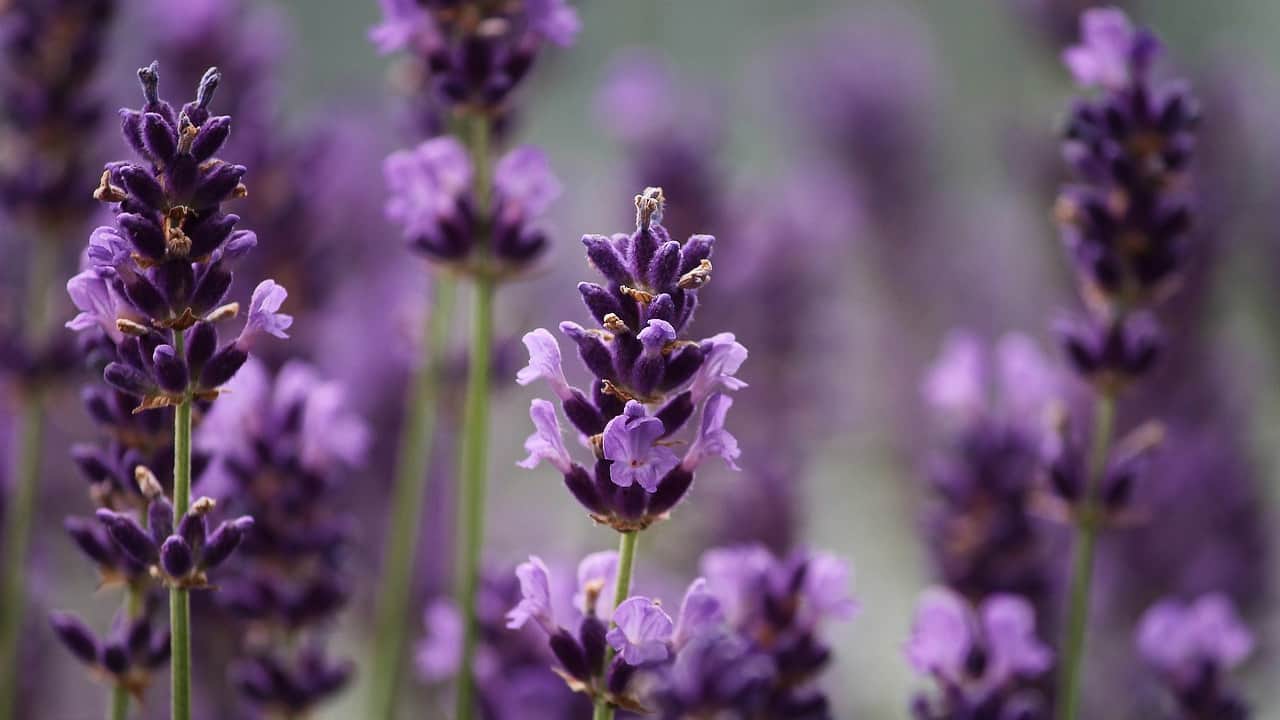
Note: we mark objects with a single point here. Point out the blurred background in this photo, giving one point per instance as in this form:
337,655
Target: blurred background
877,174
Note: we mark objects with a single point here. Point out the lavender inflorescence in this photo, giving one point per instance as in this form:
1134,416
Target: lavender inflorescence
280,447
745,640
639,361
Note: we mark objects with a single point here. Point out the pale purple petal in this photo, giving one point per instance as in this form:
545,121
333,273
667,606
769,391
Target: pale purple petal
941,634
642,631
441,650
547,441
545,363
1009,625
1178,639
656,335
700,613
524,181
719,366
827,585
556,20
630,443
93,296
597,574
535,589
713,438
426,182
956,384
265,317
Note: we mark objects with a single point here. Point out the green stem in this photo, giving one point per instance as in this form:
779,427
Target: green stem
1087,525
20,510
475,442
400,546
475,425
179,600
626,563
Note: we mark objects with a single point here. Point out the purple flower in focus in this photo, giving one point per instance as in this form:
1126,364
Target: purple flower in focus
641,632
631,444
544,363
547,441
265,317
712,438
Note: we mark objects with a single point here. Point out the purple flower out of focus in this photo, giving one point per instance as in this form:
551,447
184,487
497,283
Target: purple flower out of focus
980,657
432,200
1112,53
1192,647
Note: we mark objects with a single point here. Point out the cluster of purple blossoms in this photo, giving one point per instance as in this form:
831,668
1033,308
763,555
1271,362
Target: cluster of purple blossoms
744,642
157,279
279,448
983,657
470,53
1126,219
648,380
1191,647
148,300
994,405
49,117
433,199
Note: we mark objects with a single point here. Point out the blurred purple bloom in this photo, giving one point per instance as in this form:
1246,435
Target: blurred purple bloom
597,574
1111,53
1180,639
535,603
441,649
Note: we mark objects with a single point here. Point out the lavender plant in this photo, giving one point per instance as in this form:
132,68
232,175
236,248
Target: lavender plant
1125,224
280,448
648,382
48,117
471,57
155,287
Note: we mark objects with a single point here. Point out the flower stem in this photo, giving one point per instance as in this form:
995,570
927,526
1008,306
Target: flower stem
20,509
626,563
179,600
1087,525
400,546
475,443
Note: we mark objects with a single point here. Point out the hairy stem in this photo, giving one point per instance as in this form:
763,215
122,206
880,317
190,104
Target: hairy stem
179,598
1087,526
400,547
626,563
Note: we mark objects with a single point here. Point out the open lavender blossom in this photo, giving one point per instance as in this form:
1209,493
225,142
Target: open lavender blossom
432,200
157,277
1193,647
982,658
649,380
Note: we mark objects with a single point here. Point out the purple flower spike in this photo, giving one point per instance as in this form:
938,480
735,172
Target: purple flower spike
642,632
535,603
547,441
630,442
712,438
544,363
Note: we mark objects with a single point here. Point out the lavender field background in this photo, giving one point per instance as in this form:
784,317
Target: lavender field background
880,176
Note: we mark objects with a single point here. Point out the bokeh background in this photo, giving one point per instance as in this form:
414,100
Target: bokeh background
901,154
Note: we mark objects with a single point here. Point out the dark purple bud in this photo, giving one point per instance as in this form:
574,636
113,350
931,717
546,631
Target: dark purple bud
128,379
591,635
159,137
76,636
137,636
160,520
599,302
664,270
129,536
171,370
215,185
175,281
644,245
681,366
583,488
193,529
176,558
604,255
209,232
211,289
115,657
696,249
208,85
570,654
93,463
158,653
91,540
663,308
224,541
676,412
583,414
211,137
97,405
145,296
143,186
202,343
671,490
620,674
222,366
591,348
